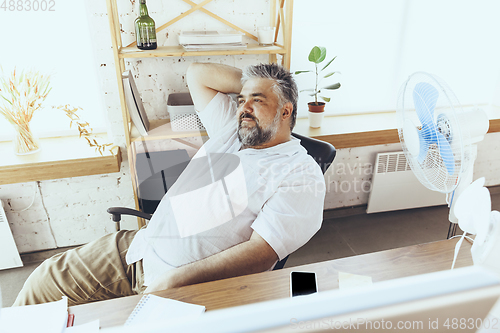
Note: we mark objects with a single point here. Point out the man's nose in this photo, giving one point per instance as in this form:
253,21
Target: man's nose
247,107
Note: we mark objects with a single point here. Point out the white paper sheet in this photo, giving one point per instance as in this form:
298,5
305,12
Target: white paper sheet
154,308
49,317
348,280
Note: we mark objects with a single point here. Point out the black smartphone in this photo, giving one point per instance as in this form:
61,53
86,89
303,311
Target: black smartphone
302,283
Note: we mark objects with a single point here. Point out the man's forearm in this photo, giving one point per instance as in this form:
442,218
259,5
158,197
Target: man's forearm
223,78
206,79
249,257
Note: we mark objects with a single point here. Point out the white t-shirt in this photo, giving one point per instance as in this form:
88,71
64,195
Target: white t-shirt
226,193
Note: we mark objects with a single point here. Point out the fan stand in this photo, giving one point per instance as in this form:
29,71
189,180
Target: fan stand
465,181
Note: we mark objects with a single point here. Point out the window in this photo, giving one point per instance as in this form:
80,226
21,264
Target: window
53,38
378,44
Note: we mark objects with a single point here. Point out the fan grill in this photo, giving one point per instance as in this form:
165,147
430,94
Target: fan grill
447,124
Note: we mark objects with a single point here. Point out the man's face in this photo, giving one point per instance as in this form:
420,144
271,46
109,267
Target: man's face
258,116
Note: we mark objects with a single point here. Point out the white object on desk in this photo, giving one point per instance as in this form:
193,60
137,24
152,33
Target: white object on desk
49,317
9,257
153,308
348,280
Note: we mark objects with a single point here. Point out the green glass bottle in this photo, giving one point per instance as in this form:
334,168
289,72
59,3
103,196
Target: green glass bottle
145,31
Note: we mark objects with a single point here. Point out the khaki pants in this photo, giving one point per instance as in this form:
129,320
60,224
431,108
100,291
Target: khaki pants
92,272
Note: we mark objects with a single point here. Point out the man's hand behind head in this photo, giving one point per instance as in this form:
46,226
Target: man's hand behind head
205,80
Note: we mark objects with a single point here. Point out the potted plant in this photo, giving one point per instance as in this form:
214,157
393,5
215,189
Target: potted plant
316,109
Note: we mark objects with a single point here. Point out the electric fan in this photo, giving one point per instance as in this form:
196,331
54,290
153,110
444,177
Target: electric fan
439,141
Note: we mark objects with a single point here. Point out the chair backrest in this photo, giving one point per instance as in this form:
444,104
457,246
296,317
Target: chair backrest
156,173
322,152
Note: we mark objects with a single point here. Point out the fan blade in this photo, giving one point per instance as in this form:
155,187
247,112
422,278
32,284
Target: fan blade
446,153
411,137
425,97
424,147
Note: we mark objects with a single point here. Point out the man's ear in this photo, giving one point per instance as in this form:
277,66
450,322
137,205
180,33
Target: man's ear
287,110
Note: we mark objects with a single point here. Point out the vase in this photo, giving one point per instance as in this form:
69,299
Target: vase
315,119
316,114
25,142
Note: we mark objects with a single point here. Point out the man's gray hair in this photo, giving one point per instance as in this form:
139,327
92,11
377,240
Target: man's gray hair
285,86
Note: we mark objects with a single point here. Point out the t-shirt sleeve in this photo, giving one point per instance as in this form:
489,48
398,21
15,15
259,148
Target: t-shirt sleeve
218,114
294,213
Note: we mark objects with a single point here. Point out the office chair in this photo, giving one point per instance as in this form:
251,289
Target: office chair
322,152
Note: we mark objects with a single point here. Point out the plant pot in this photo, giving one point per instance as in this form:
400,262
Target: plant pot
316,107
316,114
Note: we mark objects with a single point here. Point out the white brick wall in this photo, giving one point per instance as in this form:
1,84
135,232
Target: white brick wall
67,211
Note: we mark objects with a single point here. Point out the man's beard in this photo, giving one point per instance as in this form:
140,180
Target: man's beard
256,135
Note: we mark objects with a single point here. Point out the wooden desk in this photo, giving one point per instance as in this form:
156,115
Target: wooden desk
384,265
59,157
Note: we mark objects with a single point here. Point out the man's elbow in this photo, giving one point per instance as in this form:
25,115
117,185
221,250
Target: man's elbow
193,73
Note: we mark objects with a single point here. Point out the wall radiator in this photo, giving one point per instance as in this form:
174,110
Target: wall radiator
9,256
395,187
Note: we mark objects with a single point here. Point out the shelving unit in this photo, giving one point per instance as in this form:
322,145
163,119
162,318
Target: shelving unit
281,13
178,51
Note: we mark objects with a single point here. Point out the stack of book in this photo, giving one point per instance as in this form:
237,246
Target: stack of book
211,40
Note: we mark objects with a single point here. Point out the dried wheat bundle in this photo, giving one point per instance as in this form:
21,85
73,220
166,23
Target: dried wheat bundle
24,94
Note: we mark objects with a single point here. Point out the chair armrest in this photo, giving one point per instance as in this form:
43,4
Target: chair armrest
280,264
117,213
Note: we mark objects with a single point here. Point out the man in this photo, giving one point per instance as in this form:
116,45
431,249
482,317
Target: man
249,197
